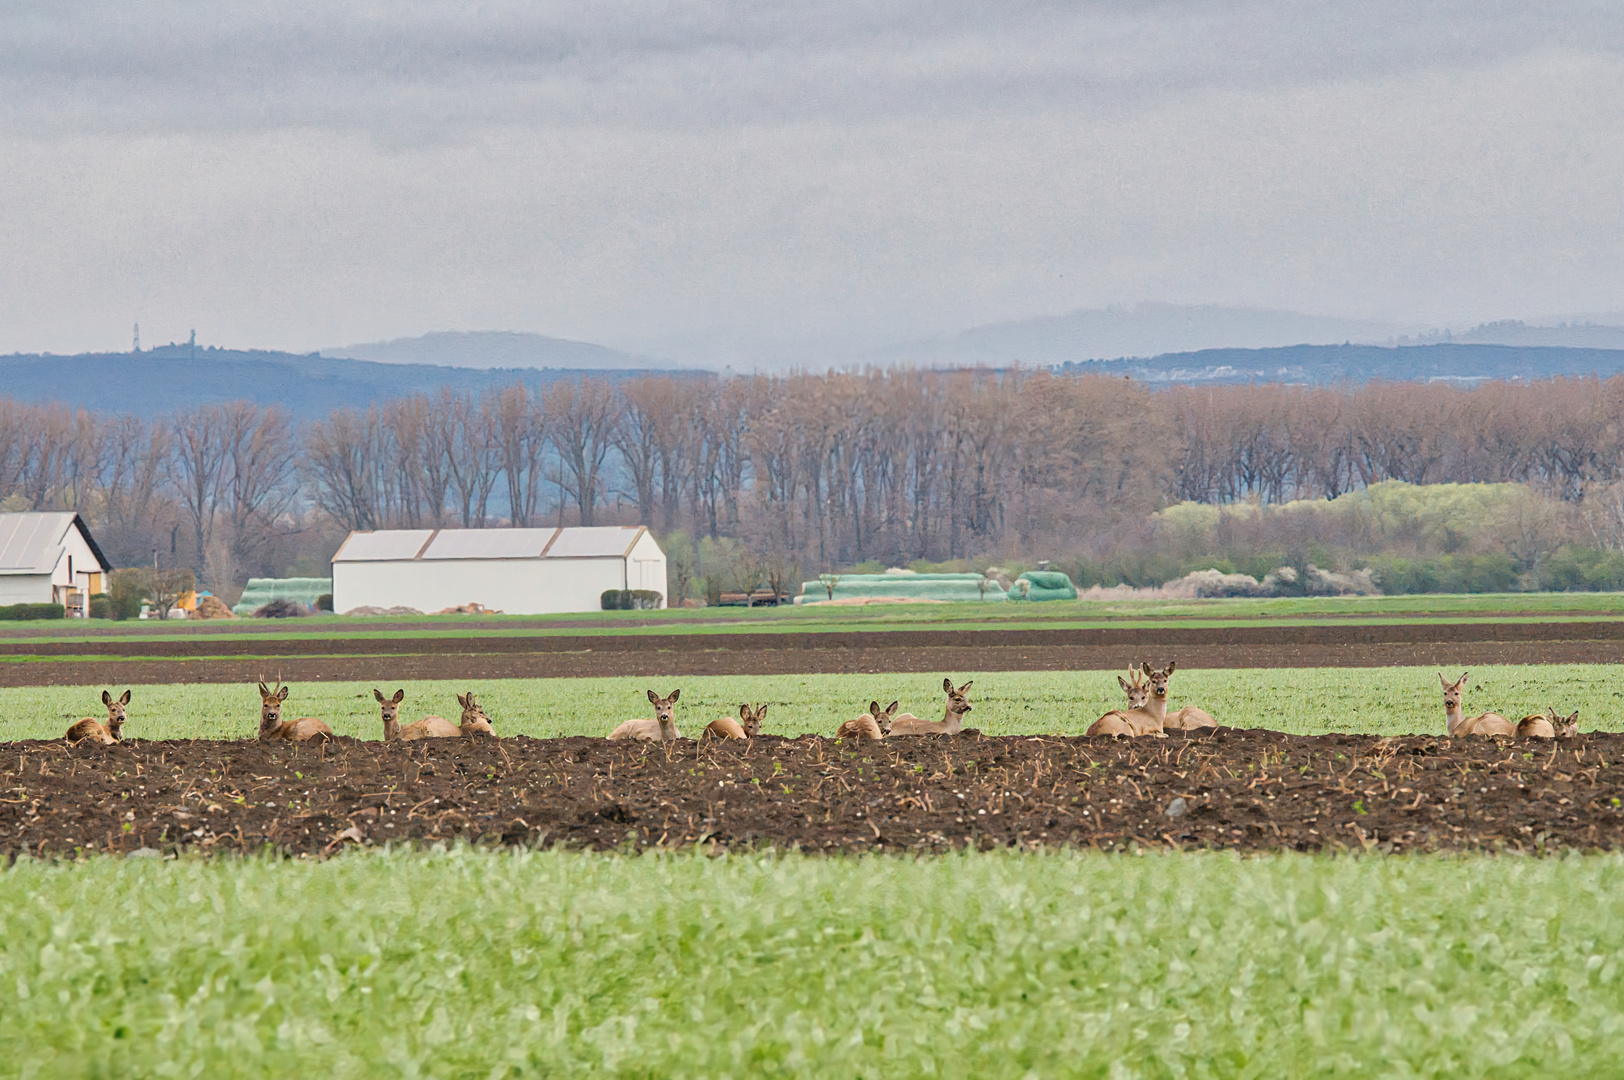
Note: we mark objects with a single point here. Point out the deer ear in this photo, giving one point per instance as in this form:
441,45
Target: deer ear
893,708
675,694
654,699
378,694
1124,682
282,695
266,693
1443,680
965,689
125,700
874,708
1462,680
761,712
400,696
1171,664
107,699
947,686
744,712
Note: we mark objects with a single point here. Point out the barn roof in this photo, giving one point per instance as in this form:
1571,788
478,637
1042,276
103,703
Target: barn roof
393,545
31,543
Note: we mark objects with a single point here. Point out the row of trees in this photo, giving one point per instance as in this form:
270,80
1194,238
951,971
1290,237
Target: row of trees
818,470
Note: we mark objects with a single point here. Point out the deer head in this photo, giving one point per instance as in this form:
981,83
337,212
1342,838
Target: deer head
474,720
270,703
1453,690
750,719
1137,690
389,705
664,707
883,717
1566,726
1156,679
958,701
115,712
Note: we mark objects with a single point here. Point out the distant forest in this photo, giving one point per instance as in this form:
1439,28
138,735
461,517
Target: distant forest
805,473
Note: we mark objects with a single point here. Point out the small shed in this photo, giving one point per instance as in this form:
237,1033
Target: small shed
50,558
517,571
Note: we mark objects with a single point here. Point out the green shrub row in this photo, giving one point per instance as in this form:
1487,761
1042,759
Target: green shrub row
630,599
32,611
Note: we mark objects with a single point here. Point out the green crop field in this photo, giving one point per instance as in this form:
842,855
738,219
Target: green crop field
468,964
1552,607
1384,701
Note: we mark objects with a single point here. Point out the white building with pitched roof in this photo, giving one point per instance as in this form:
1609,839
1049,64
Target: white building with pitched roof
50,558
517,571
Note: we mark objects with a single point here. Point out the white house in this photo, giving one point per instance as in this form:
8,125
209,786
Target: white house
50,558
517,571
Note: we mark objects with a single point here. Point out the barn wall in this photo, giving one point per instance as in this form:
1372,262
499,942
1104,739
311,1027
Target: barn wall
25,588
645,569
515,586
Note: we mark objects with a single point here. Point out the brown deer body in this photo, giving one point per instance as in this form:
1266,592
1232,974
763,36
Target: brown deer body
1116,721
474,722
1548,725
951,723
662,728
272,727
1459,724
107,734
1147,719
748,726
872,726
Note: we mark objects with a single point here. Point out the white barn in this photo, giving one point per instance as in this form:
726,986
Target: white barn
517,571
50,558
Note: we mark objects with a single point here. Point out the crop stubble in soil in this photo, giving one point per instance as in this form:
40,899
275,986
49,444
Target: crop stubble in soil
1242,789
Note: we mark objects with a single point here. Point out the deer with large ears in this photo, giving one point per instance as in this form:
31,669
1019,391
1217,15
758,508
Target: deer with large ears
107,734
271,725
872,726
474,720
747,726
1548,725
1116,721
663,728
951,723
1456,720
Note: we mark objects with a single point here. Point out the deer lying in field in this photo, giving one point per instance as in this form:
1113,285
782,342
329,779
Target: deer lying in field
747,726
273,727
1455,719
107,734
474,721
872,726
951,723
1189,718
1116,721
1548,725
663,728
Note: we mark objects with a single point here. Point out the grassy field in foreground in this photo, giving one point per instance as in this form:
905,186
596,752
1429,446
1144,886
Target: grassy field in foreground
819,619
992,965
1383,701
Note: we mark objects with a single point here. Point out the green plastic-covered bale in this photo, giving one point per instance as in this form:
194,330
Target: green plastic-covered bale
301,590
1043,585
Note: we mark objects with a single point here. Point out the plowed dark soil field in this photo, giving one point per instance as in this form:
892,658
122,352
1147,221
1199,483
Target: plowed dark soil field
1243,789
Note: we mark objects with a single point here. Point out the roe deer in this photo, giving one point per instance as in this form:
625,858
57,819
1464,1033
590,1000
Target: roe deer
951,723
474,721
1189,718
873,725
1115,722
1548,725
729,728
107,734
272,726
1458,724
1146,719
663,728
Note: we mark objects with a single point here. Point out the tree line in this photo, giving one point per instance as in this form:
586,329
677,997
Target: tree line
813,471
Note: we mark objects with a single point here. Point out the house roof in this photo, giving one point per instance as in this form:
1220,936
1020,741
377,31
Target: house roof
394,545
31,543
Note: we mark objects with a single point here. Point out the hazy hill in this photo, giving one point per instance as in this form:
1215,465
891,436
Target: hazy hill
496,349
1318,364
164,379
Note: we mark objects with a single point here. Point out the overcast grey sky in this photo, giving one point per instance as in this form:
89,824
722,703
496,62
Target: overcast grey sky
763,178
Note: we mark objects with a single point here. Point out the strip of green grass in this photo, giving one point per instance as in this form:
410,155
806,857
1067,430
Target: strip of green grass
817,619
1380,701
992,965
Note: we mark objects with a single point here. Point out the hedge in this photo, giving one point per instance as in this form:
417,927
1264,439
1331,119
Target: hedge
630,599
33,611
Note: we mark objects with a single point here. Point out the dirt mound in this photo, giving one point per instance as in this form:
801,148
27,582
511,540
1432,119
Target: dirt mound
1231,789
212,607
368,609
461,609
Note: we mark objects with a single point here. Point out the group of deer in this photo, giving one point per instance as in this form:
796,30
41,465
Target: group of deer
309,729
875,724
1545,725
1147,713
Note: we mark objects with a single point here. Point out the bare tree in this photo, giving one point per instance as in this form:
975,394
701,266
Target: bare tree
581,421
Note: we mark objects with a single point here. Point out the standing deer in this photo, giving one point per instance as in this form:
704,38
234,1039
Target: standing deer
951,723
663,728
1484,724
273,727
872,726
107,734
748,726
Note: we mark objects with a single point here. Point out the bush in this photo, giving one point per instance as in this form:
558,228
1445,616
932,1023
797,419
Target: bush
1581,569
101,606
630,599
126,590
33,611
1445,574
324,602
281,609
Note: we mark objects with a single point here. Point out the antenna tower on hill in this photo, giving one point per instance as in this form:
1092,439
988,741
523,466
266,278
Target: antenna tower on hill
137,346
